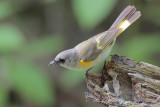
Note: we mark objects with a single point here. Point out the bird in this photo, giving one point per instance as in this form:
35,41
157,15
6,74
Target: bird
91,52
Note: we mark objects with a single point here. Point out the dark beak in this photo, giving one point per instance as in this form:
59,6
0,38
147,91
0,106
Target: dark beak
52,62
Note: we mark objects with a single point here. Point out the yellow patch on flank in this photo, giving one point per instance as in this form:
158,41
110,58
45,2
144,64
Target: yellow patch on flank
85,64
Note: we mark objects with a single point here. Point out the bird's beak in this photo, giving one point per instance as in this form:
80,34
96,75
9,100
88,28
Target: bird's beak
52,62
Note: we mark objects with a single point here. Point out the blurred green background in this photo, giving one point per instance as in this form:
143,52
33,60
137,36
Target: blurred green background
33,32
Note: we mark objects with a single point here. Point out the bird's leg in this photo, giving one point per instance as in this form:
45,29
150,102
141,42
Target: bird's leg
102,77
86,73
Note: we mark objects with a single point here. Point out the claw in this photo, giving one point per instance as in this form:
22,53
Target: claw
102,77
86,73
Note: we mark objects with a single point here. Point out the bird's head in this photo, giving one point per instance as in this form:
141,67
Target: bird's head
67,58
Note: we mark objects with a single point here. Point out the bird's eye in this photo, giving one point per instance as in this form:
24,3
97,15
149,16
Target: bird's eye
62,60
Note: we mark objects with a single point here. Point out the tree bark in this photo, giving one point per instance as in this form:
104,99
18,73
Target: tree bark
126,83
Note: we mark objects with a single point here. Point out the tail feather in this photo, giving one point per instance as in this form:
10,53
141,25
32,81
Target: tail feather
126,18
134,17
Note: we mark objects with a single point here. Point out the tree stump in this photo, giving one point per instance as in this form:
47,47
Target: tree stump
126,83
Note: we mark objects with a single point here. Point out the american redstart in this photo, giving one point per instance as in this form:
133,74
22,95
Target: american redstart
93,51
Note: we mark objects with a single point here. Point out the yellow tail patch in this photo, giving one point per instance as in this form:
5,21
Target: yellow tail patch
123,25
85,64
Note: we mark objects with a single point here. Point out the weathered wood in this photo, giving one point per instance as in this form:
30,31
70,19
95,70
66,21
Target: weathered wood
126,83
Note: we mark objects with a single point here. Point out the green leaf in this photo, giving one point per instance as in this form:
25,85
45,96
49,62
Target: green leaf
90,13
3,97
71,78
47,1
31,83
152,13
43,46
11,38
140,47
6,9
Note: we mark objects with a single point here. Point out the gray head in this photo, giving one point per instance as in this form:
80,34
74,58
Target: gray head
67,58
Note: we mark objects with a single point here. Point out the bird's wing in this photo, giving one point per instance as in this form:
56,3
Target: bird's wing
91,48
106,38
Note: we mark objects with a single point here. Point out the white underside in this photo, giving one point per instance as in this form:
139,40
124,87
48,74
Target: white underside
103,56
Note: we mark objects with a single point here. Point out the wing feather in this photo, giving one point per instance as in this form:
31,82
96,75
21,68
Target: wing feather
107,38
91,48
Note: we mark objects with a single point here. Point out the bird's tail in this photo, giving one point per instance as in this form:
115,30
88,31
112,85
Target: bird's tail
126,18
